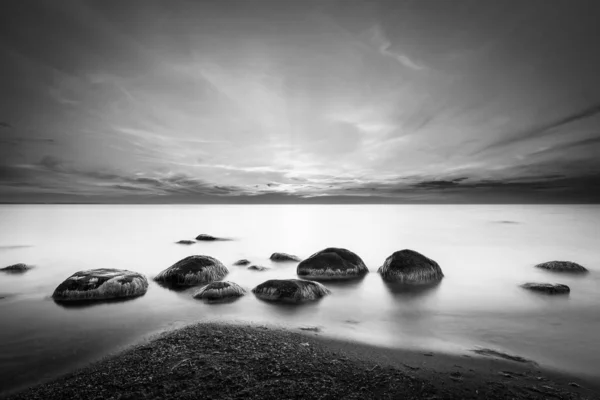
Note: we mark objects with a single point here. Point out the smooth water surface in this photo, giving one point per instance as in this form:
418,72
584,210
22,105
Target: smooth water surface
485,251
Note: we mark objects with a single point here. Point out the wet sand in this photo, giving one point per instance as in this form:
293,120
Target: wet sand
221,361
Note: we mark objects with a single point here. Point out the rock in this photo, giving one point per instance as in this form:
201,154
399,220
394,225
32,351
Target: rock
186,242
562,266
410,267
193,270
283,257
101,284
290,290
547,288
20,267
332,263
220,290
208,238
242,262
257,268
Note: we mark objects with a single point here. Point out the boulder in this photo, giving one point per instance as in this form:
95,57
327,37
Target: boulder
283,257
186,242
562,266
220,290
547,288
101,284
332,263
257,268
20,267
208,238
242,262
193,270
410,267
290,290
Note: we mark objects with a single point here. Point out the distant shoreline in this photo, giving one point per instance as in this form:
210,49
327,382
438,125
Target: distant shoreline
216,360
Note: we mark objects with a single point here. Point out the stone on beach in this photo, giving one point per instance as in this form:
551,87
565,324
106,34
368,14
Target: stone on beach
242,262
562,266
208,238
290,290
220,290
193,270
20,267
257,268
283,257
101,284
332,263
410,267
547,288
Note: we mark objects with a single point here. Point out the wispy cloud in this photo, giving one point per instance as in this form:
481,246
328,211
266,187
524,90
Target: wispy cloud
384,46
543,129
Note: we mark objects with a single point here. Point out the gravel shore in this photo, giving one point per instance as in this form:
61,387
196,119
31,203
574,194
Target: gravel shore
219,361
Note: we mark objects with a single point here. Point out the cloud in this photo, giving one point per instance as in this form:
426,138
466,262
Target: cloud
383,44
543,129
567,146
5,125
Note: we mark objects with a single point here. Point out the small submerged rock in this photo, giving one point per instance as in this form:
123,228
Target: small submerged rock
20,267
332,263
410,267
257,268
242,262
208,238
547,288
290,290
220,290
562,266
101,284
283,257
193,270
186,242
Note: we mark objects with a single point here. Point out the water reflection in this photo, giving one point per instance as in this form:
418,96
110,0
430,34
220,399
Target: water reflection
404,291
78,304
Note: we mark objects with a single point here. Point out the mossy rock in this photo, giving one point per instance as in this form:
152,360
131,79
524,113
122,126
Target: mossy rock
220,290
562,266
192,271
20,267
101,284
242,262
283,257
290,290
547,288
410,267
332,263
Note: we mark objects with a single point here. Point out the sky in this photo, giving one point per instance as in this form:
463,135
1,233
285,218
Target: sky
463,101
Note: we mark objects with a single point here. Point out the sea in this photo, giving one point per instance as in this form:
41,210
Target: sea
485,251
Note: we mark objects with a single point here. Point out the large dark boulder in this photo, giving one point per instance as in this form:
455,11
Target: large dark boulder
547,288
101,284
20,267
290,290
193,270
220,290
410,267
283,257
562,266
332,263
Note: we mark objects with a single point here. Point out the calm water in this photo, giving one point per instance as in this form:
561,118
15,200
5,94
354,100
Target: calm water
484,251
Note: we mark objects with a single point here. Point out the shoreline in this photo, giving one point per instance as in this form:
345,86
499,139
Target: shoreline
222,360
